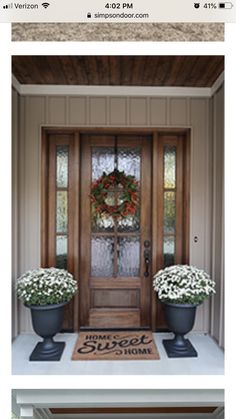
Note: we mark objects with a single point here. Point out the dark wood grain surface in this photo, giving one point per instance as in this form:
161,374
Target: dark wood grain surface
130,410
187,71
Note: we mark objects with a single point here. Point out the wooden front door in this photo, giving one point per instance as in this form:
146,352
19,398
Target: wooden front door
115,254
114,261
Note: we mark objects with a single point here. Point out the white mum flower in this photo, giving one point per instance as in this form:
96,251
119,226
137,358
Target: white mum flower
46,286
183,284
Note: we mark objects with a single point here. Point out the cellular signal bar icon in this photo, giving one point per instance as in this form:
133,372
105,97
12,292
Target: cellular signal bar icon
45,5
8,6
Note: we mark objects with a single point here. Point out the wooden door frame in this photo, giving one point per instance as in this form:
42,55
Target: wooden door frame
155,133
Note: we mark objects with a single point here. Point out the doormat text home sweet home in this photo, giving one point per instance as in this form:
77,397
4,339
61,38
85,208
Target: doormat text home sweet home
115,346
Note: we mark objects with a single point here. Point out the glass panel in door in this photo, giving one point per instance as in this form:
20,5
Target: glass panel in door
115,241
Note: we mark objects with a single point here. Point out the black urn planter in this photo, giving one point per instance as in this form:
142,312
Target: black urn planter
47,321
180,320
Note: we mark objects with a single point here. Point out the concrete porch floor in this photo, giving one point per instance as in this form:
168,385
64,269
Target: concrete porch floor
210,359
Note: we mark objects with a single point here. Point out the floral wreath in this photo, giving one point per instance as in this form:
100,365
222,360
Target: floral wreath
129,197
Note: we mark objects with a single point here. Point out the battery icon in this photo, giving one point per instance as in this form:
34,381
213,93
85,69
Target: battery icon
226,5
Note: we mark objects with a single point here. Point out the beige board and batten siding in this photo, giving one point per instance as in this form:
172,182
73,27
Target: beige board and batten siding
109,111
15,207
217,317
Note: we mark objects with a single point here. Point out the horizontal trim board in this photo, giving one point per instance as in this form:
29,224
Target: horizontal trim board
140,410
119,398
110,130
137,91
44,90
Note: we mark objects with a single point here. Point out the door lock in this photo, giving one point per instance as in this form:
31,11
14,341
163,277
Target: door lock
147,260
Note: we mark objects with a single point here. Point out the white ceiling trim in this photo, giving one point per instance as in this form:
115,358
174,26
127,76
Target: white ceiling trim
42,414
15,407
219,412
218,83
69,90
16,84
119,398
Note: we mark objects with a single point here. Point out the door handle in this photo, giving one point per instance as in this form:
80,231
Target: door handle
147,262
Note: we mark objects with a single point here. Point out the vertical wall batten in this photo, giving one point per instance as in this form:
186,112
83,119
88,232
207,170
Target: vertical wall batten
199,140
193,113
208,205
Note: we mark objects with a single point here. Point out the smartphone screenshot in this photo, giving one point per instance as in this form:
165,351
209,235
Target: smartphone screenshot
117,185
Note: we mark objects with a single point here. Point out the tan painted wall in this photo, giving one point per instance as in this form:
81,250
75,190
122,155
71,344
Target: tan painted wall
217,318
15,200
37,111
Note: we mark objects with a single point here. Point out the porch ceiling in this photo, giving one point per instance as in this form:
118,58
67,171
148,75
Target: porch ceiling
184,71
138,410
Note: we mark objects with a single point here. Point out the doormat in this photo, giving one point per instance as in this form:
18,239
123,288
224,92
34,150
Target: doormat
115,346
